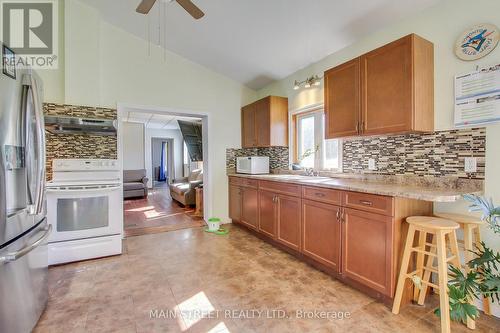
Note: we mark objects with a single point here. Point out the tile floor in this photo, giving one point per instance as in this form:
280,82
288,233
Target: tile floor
215,277
157,213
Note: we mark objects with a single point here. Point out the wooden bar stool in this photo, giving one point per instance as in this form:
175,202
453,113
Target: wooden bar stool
438,229
472,241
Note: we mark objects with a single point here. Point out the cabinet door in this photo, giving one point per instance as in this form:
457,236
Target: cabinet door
289,221
342,100
248,126
321,233
234,202
267,213
263,122
386,76
249,207
367,249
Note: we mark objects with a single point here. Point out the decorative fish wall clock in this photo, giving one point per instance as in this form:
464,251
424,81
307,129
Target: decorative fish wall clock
477,42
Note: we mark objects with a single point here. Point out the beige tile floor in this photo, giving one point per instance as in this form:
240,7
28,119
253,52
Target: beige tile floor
211,280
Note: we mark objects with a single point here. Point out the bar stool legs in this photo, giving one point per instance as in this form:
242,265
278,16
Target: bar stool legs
440,229
405,262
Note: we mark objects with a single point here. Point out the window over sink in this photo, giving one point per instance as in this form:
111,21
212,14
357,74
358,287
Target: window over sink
310,149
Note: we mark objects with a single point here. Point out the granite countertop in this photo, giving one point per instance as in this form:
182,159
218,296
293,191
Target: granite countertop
377,186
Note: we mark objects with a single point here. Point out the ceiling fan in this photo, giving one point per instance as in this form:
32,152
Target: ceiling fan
146,5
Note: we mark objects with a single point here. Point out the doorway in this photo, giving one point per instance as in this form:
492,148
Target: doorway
174,201
162,161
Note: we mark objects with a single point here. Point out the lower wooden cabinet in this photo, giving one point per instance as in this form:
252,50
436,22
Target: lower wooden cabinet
356,236
321,232
289,221
267,213
367,242
235,202
249,207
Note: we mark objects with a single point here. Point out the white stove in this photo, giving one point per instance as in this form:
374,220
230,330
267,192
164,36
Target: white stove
85,208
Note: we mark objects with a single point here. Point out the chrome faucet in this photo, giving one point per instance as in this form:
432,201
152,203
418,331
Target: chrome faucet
310,172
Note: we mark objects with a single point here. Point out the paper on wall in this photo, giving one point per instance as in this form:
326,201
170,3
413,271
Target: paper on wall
477,97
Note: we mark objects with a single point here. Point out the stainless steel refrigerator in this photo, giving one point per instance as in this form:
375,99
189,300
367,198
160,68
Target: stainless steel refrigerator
23,226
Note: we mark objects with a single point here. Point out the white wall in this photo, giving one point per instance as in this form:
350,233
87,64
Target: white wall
106,66
133,143
441,25
176,135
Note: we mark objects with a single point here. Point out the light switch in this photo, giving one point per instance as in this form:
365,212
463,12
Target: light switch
470,164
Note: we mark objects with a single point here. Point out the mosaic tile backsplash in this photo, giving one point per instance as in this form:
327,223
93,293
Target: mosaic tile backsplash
434,154
78,145
278,156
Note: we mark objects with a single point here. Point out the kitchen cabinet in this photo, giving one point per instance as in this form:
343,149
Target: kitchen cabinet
264,123
342,100
289,221
249,207
367,243
248,138
389,90
267,213
357,237
321,233
234,202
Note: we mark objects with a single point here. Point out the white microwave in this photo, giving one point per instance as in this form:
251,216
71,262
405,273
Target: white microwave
253,165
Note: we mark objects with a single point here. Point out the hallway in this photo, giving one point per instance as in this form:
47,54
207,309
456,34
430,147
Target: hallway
157,213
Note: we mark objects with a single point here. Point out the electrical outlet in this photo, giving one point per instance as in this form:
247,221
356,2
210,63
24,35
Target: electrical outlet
470,164
371,164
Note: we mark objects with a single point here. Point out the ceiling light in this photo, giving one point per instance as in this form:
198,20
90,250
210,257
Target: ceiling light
317,80
296,85
307,85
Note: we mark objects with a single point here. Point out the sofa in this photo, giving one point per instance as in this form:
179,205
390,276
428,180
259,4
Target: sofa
183,190
135,183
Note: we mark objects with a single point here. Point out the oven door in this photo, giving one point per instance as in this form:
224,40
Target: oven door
79,212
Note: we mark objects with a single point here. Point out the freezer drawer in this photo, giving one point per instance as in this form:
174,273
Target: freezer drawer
24,284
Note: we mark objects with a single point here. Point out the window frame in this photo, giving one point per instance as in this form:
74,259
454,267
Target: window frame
318,112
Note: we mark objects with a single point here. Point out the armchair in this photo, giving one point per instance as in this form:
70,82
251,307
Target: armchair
183,190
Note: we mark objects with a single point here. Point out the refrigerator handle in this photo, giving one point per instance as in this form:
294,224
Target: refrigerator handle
3,194
40,149
9,257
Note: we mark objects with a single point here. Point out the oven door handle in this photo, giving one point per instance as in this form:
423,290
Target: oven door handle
83,190
9,257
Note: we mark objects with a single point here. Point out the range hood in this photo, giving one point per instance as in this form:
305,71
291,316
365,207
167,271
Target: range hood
77,125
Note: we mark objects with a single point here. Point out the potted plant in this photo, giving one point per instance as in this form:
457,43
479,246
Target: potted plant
483,278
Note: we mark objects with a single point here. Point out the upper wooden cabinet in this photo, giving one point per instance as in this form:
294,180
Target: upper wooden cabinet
389,90
342,100
264,123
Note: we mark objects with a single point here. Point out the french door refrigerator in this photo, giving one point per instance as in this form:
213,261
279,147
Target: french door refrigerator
23,226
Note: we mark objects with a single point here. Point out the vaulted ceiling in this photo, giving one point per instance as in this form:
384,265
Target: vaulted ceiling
258,41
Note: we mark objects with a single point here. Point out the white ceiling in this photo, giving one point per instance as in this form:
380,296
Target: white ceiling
156,121
258,41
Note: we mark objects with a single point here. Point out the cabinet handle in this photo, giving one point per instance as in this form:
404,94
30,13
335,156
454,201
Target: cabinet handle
318,194
357,128
366,202
343,216
362,127
338,214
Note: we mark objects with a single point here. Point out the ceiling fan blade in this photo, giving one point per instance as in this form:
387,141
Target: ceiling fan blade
191,8
145,6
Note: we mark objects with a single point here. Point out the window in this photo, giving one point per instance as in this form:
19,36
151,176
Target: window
312,150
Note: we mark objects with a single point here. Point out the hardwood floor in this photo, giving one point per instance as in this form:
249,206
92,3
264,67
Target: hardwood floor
157,213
